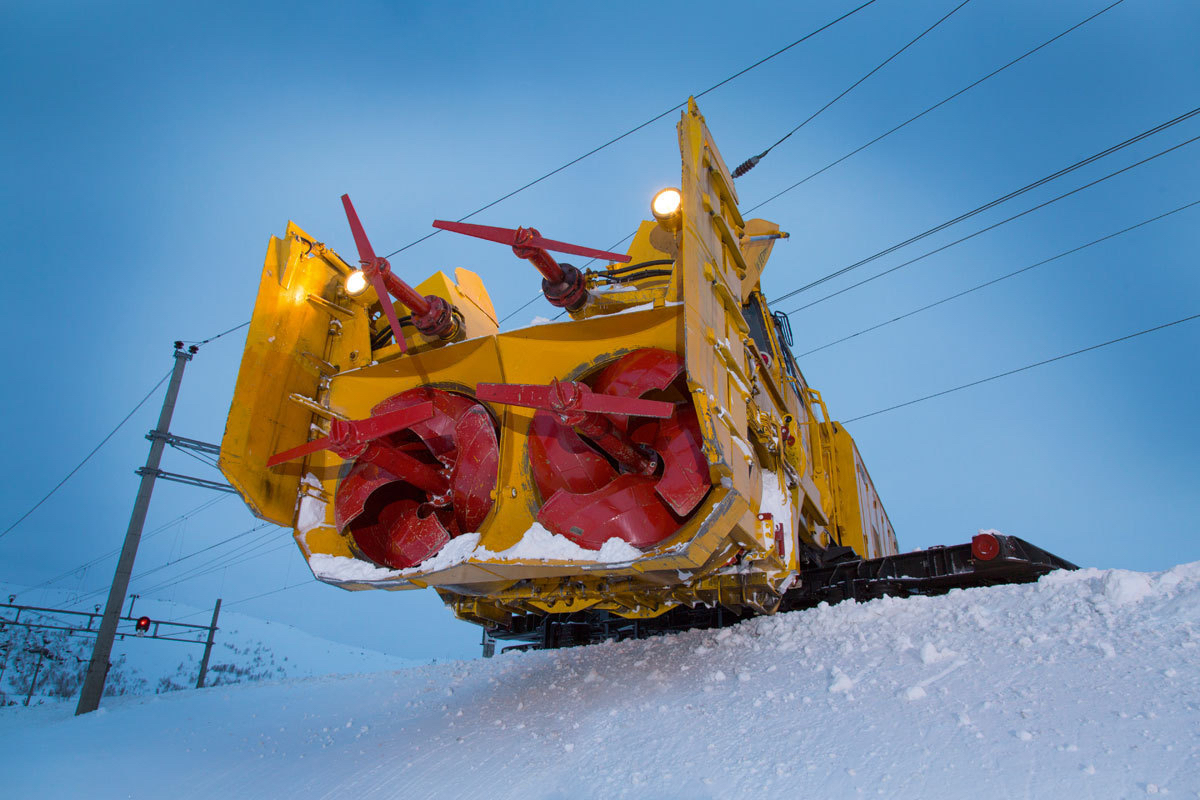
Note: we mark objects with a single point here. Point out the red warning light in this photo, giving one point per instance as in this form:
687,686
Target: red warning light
985,547
142,625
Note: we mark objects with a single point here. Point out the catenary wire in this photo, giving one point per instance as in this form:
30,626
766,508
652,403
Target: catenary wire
993,281
1024,368
633,130
751,162
116,550
88,457
241,553
237,551
1017,192
219,335
936,105
888,133
993,226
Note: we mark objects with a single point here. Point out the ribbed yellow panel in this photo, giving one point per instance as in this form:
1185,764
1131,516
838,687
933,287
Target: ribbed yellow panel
301,319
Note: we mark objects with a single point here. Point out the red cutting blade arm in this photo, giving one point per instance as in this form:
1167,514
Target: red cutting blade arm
347,437
393,421
569,396
297,452
366,253
513,238
372,269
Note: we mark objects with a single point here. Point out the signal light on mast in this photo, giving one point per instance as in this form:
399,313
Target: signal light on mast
142,625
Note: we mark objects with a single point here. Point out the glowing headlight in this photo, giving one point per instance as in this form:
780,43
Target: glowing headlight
666,204
356,282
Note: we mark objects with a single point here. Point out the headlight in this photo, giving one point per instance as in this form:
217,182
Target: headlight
356,282
666,204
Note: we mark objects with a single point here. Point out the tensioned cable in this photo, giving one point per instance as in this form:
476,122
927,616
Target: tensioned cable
1024,368
235,552
264,594
910,120
990,227
88,457
750,163
240,553
219,335
186,515
257,551
936,105
631,131
1029,187
997,280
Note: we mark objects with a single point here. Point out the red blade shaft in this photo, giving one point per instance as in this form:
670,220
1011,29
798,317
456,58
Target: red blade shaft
548,397
407,468
365,252
385,300
371,268
509,236
358,432
392,421
297,452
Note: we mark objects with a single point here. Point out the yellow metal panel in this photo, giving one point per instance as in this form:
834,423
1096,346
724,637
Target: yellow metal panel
291,342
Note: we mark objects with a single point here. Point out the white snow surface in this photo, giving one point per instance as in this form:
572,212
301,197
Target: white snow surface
1084,685
536,544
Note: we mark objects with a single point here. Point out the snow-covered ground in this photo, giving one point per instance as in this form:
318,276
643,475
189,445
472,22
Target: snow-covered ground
1085,685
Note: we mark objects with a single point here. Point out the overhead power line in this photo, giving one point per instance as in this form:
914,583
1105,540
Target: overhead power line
1016,193
936,105
990,227
750,163
637,128
161,528
88,457
883,136
219,335
993,281
1024,368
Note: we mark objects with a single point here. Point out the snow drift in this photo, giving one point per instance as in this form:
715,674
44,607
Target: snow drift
1082,685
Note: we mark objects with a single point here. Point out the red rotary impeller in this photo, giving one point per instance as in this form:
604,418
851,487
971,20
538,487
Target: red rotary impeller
404,511
593,490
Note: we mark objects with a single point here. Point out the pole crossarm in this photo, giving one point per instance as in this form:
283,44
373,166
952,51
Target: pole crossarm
216,486
185,443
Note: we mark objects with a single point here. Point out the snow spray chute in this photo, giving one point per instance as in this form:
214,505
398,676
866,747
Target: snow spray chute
402,511
624,475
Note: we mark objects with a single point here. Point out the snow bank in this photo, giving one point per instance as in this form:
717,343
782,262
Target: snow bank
1082,685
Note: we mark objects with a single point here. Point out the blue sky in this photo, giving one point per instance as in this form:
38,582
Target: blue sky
151,150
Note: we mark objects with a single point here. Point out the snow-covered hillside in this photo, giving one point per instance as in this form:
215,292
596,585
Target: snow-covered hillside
245,649
1086,684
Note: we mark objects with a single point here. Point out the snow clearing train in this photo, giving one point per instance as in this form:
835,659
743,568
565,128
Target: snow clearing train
654,461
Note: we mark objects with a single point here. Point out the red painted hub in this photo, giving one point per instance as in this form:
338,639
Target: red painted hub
592,477
403,510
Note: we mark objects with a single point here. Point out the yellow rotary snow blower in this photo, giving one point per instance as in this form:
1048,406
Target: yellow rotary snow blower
654,461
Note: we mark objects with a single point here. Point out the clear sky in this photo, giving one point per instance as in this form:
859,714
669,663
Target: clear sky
150,150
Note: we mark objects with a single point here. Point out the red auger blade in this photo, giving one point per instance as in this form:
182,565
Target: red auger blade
366,255
296,452
569,396
509,236
360,432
